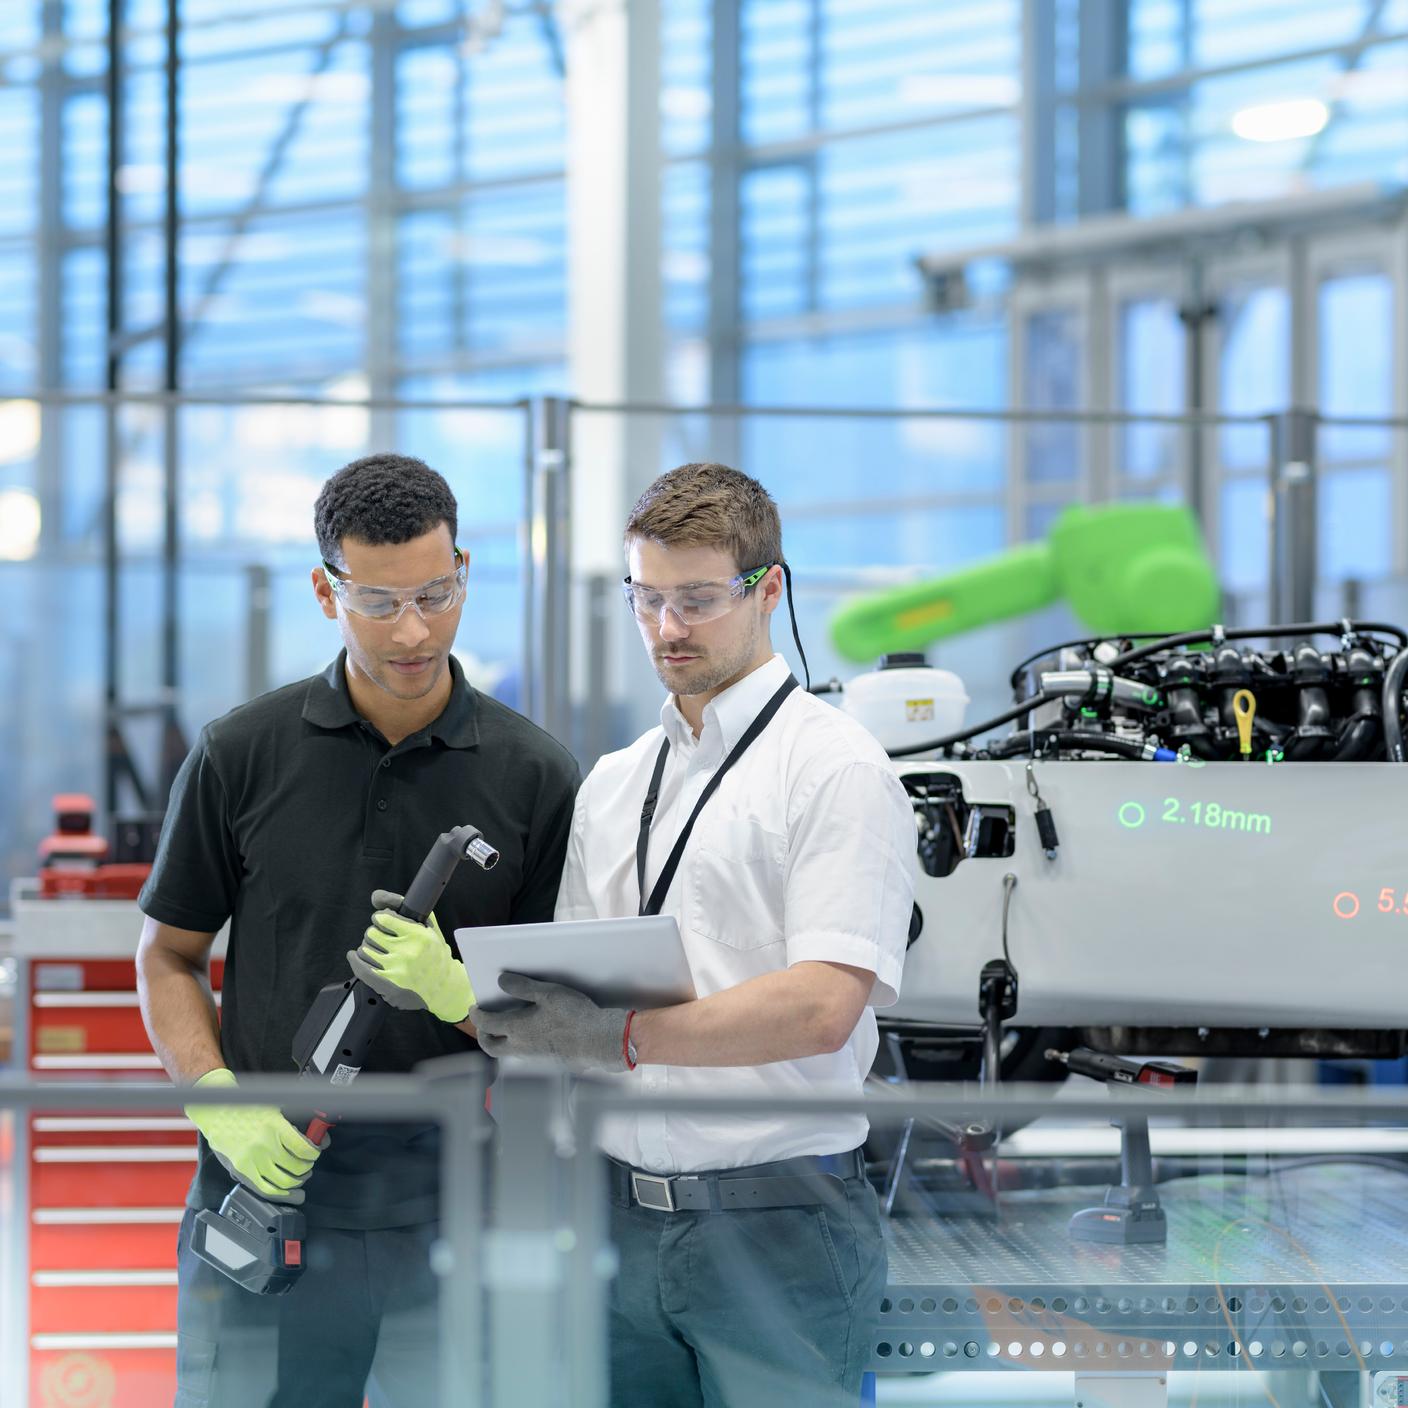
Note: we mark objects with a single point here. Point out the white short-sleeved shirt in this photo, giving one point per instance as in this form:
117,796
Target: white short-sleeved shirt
805,852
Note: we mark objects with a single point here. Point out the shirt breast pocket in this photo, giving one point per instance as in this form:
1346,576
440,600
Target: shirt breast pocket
736,887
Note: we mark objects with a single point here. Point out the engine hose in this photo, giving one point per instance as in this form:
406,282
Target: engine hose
1393,706
1300,748
1186,724
1358,740
1028,742
1303,628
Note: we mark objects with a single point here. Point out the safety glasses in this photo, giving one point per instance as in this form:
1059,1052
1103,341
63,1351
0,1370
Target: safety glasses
432,598
693,604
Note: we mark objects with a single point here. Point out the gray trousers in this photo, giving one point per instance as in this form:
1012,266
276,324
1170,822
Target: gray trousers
752,1308
361,1320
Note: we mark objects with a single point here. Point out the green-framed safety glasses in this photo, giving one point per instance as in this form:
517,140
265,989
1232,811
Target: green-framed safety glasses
695,603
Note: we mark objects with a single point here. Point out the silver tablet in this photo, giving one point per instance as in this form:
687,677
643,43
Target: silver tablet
634,962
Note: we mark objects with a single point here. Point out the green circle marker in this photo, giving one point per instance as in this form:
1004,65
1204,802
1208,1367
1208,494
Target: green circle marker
1131,815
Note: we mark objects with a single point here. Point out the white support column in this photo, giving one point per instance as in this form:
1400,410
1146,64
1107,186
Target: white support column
1398,455
380,356
1037,112
615,334
616,343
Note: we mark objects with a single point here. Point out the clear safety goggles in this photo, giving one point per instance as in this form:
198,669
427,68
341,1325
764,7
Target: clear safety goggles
694,604
432,598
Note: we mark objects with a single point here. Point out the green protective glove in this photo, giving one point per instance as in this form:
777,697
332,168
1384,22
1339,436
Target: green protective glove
257,1145
410,964
554,1021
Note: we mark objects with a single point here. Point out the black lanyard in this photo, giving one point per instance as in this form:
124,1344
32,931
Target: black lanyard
647,812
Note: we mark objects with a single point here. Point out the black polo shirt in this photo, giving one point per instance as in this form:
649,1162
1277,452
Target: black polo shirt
288,813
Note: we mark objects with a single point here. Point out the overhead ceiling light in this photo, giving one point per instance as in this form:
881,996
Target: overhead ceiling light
1281,122
19,525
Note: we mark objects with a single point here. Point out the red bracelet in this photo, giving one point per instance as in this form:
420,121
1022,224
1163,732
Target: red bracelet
626,1041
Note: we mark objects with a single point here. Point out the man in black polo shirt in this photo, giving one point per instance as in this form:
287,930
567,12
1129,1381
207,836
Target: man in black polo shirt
290,811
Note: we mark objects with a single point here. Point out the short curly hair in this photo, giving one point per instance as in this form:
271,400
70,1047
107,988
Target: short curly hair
382,499
710,505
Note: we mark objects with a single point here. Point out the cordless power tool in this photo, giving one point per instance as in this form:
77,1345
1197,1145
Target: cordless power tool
259,1243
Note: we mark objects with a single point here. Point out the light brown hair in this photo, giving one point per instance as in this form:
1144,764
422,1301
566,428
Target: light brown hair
713,506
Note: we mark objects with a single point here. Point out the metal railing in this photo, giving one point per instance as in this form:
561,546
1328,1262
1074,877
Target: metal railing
452,1097
525,1258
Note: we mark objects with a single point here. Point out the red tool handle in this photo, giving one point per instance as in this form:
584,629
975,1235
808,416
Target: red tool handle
318,1128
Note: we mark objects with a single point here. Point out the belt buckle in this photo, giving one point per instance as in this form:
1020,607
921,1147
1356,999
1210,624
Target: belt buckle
656,1182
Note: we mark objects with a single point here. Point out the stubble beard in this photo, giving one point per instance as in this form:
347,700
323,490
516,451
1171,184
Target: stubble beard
712,671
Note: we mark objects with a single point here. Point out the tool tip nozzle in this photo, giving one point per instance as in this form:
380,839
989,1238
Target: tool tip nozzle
482,853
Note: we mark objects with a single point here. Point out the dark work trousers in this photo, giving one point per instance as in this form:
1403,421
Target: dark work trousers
361,1320
748,1308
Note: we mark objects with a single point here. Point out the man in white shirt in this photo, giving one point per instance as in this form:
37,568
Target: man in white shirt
751,1254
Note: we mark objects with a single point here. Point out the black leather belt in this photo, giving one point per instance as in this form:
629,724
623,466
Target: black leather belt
787,1183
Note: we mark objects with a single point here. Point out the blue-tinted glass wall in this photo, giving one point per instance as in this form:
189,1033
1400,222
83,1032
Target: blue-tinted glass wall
322,250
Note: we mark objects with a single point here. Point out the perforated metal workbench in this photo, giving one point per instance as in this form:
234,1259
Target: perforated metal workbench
1302,1269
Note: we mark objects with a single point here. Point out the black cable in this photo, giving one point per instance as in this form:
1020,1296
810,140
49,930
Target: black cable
1188,637
1393,706
1331,628
1356,740
1301,628
991,1068
796,635
1035,702
1009,883
1030,740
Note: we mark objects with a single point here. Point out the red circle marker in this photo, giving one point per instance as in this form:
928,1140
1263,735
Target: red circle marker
1353,900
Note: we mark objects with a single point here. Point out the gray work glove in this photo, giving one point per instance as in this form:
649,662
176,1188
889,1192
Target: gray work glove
558,1021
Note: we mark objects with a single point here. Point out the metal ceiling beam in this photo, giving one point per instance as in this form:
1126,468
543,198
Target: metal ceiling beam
1099,239
256,205
1352,61
1133,91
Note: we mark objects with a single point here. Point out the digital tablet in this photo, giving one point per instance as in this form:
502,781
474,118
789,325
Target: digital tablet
634,962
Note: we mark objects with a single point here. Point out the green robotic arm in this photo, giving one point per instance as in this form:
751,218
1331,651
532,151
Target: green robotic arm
1122,568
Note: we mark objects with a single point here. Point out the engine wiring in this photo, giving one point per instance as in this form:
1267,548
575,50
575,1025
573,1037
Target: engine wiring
1198,695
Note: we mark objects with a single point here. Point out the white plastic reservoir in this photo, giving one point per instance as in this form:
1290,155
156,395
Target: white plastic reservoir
905,703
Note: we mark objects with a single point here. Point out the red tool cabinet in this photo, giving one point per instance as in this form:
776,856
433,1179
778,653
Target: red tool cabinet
98,1194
